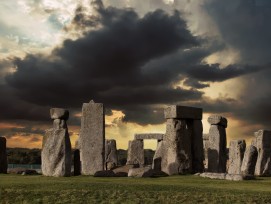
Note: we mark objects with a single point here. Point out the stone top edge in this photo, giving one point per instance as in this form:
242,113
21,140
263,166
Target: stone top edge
183,112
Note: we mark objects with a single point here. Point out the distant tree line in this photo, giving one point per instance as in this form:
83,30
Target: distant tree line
33,156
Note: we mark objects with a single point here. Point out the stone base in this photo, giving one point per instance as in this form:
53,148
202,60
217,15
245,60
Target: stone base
224,176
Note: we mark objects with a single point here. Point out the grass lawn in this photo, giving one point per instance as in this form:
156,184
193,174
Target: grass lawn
176,189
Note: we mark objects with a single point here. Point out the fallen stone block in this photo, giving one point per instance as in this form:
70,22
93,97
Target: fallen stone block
105,173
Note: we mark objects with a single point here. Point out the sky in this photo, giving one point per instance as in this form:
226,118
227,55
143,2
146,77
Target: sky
136,57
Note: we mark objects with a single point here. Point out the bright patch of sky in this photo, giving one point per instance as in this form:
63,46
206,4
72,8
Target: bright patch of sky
30,26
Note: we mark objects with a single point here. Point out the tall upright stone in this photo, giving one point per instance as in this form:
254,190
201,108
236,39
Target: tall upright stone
135,154
56,146
111,157
181,150
217,151
249,161
176,155
236,155
92,138
263,145
3,155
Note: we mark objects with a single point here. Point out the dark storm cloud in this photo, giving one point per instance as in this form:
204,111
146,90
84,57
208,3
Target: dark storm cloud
106,64
129,63
25,131
245,26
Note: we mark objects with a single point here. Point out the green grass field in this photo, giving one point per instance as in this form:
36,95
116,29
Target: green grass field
176,189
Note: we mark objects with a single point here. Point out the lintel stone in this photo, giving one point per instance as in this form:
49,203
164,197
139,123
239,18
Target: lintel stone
149,136
183,112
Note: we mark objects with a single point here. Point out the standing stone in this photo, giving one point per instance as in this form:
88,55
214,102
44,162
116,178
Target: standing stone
206,147
236,155
111,158
195,127
56,146
176,148
249,161
76,163
135,153
217,151
3,155
263,145
92,138
157,158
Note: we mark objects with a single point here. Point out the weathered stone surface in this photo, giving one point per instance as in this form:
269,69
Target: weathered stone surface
206,147
58,124
236,155
56,153
76,163
123,169
144,172
3,155
121,174
22,171
217,152
176,148
59,113
195,128
210,175
92,138
105,173
224,176
135,153
111,157
183,112
157,158
218,120
249,161
263,145
148,136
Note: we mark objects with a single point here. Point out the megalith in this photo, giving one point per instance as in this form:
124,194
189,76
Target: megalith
181,150
217,152
236,154
263,145
249,161
56,146
111,157
135,154
3,155
92,138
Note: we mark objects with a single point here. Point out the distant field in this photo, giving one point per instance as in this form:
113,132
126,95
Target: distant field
176,189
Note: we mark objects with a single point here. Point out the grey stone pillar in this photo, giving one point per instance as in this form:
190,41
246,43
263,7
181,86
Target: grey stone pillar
92,138
236,155
56,146
111,157
135,154
217,152
182,147
3,155
249,161
263,145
